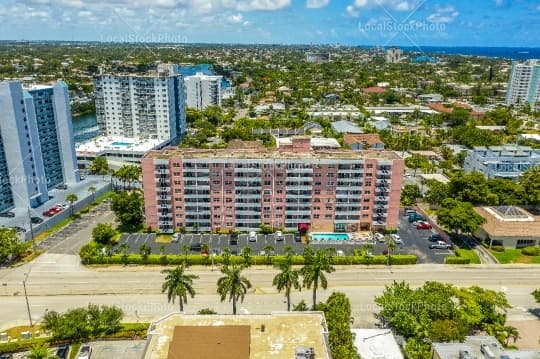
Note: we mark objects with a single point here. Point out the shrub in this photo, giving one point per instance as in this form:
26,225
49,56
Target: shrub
457,260
531,251
498,248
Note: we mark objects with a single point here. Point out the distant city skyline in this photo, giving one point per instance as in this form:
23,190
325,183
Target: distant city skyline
413,23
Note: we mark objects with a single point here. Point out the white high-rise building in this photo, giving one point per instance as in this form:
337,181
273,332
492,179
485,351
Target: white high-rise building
142,106
393,55
203,91
37,149
524,83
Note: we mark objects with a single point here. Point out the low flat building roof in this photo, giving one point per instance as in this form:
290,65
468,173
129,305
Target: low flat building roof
276,335
472,345
117,143
510,221
376,344
435,176
251,153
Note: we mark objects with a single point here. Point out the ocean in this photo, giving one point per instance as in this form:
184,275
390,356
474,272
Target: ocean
514,53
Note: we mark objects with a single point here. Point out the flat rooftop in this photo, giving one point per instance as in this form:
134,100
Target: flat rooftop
376,344
260,154
117,143
472,345
509,221
314,141
275,335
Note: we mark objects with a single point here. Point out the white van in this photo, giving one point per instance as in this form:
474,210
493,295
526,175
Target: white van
252,236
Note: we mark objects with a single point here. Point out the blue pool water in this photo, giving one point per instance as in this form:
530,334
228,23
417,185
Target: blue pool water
330,236
117,143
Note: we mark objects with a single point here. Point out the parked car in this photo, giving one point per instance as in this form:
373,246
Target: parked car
409,211
233,241
414,217
340,253
62,205
440,245
62,186
85,352
423,225
7,214
175,238
36,220
52,211
252,236
397,239
279,236
379,237
297,237
62,351
435,237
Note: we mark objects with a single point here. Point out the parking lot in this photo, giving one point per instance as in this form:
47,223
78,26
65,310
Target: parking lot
125,349
414,242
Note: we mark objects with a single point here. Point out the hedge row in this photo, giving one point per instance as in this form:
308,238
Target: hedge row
197,259
531,251
457,260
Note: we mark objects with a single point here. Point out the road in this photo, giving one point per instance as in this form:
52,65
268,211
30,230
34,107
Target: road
59,281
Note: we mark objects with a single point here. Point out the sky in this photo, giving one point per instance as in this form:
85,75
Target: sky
412,23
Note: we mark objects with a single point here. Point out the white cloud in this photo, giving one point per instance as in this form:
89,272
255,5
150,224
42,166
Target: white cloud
237,19
316,4
389,5
499,2
262,5
443,15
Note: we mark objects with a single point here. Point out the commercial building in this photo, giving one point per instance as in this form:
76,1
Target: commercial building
203,91
507,161
244,185
363,141
286,335
509,226
524,83
149,106
479,347
37,150
318,57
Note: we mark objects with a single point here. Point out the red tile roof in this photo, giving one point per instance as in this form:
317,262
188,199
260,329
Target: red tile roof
375,89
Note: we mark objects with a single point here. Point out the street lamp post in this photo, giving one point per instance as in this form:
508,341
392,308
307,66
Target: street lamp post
32,231
26,298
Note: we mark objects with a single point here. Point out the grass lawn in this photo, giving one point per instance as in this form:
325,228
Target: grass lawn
164,238
468,253
514,256
15,332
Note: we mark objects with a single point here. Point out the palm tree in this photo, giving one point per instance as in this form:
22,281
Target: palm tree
92,190
246,255
510,333
390,247
71,198
40,352
145,250
178,284
185,250
287,279
313,271
268,251
233,284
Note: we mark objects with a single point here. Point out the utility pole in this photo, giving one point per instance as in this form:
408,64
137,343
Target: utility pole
26,298
32,232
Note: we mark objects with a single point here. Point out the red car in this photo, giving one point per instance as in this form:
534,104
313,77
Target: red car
423,225
52,211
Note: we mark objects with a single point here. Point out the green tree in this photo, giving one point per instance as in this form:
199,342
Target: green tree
416,161
145,250
11,248
536,295
40,352
103,233
530,181
246,255
337,312
301,306
268,253
390,248
178,284
99,166
233,285
313,272
437,192
128,208
287,279
71,198
459,217
409,194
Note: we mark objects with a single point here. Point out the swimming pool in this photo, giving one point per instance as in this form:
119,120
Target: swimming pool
118,143
330,236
